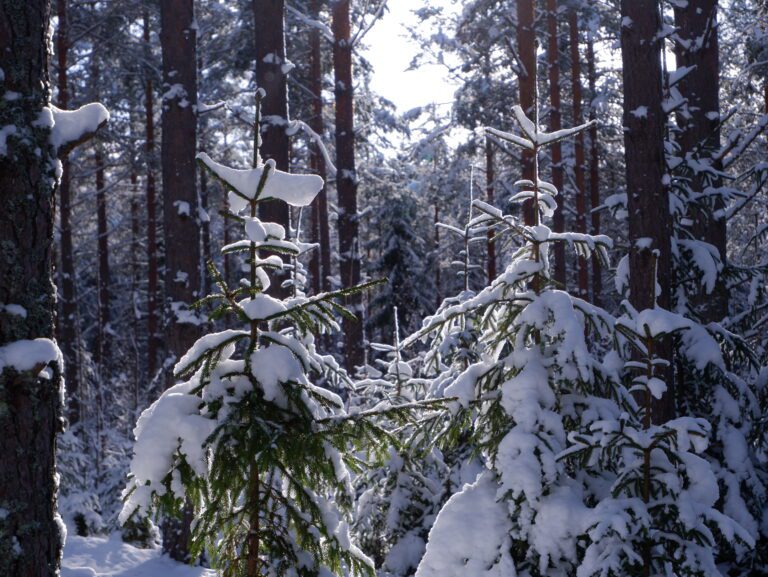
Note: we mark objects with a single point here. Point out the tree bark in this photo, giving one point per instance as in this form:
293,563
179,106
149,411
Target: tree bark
700,133
578,167
647,197
321,260
526,47
346,179
553,63
178,37
102,240
271,75
594,169
151,163
67,323
30,411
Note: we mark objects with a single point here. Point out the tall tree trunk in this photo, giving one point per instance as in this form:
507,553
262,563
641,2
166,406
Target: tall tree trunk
151,165
67,322
102,240
135,276
321,260
578,167
594,168
178,39
700,131
346,179
271,76
30,411
553,64
526,47
438,272
647,197
489,197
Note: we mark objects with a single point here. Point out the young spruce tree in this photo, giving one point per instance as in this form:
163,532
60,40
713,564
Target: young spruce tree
261,453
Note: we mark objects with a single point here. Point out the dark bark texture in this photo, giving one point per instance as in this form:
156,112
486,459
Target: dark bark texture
526,47
269,34
578,166
700,132
182,235
553,64
647,197
321,260
346,179
30,411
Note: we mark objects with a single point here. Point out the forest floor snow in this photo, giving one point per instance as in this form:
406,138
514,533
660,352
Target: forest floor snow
110,557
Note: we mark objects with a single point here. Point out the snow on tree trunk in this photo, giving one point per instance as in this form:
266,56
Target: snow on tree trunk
526,48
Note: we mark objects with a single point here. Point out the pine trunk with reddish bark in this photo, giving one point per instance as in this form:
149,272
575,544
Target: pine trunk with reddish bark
553,64
526,47
178,38
647,197
321,259
594,169
578,166
700,132
346,180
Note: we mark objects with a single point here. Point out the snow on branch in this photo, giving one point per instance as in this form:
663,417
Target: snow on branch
70,128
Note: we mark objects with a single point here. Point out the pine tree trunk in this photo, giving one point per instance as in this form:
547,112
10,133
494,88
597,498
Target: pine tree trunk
647,197
135,276
321,259
578,167
489,197
700,131
594,169
67,323
269,35
102,241
526,47
178,38
30,411
150,160
346,179
553,63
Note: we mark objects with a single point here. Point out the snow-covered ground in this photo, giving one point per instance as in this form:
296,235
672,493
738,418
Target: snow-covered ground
110,557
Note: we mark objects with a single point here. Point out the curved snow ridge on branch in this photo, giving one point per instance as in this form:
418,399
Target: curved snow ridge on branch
25,355
205,344
68,126
295,189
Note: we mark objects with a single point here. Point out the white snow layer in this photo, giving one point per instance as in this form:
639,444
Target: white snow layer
25,355
295,189
110,557
70,125
470,537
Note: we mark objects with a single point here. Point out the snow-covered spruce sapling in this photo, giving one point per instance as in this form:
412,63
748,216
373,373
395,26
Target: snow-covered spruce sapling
554,374
535,361
260,452
658,512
